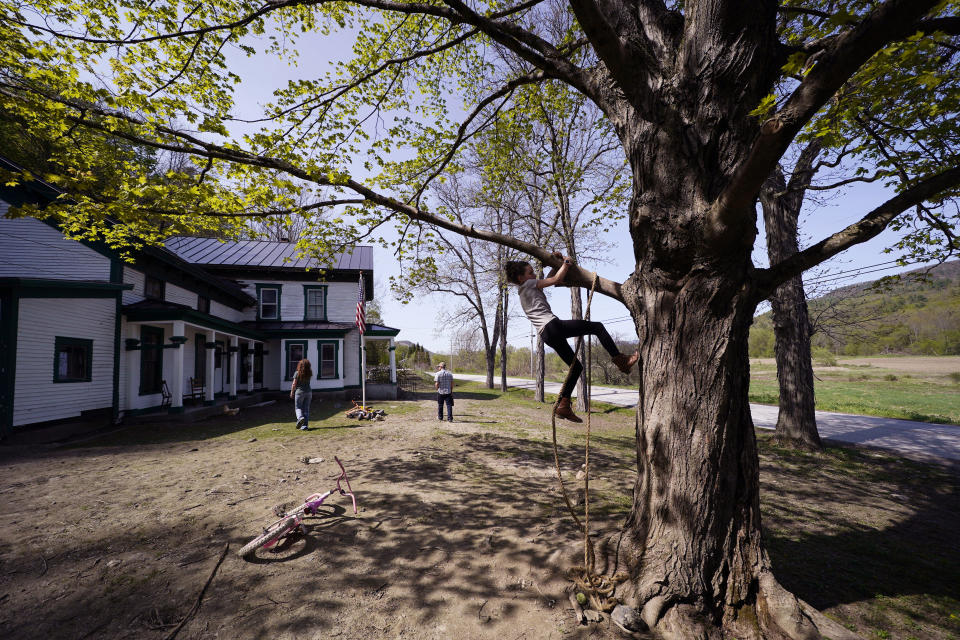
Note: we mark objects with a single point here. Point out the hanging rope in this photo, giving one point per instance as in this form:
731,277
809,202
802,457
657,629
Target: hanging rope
597,588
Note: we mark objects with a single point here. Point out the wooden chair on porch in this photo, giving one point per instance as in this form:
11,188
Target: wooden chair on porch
197,389
166,395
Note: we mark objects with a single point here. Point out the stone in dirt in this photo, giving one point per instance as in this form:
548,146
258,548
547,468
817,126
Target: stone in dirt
592,616
309,460
627,619
252,440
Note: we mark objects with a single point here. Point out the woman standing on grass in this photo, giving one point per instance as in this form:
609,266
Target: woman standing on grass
555,331
302,394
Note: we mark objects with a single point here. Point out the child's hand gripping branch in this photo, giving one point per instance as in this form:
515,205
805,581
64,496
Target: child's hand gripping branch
554,331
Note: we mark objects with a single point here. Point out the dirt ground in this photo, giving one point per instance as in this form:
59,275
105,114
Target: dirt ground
451,541
115,538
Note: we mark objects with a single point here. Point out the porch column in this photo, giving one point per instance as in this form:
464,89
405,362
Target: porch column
178,338
234,370
133,367
208,376
393,362
249,366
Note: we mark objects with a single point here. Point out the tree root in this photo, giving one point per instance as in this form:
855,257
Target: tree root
777,614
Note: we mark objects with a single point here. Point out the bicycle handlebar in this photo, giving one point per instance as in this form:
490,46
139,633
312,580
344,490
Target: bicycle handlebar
343,476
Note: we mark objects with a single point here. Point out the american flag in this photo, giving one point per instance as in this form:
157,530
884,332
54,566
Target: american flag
360,308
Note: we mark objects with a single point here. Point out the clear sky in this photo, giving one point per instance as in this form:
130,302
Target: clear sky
421,321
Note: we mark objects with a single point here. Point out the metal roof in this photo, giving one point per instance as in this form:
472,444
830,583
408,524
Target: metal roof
263,253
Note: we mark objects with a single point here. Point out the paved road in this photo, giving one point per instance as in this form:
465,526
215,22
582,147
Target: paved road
905,436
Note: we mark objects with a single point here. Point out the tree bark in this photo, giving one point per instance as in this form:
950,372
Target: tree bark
505,299
692,544
576,313
540,371
490,346
539,393
796,419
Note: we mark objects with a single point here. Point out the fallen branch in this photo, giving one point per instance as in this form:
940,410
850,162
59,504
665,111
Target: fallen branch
577,609
196,605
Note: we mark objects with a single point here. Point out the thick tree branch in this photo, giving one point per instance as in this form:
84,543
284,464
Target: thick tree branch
866,228
631,56
192,145
891,21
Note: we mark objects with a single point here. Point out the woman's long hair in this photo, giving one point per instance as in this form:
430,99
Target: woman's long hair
304,372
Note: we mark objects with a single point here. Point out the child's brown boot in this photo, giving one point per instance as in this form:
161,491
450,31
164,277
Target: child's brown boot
625,362
564,411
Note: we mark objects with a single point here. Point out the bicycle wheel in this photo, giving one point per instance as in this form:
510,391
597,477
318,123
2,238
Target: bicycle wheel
272,534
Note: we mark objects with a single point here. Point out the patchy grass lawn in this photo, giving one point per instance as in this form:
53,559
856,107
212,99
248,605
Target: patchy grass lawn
868,392
457,526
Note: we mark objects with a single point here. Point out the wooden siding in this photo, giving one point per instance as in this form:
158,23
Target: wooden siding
229,313
30,248
179,295
341,300
38,397
136,278
313,355
351,358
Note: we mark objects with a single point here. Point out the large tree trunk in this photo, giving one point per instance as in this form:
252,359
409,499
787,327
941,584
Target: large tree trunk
796,420
576,313
490,347
693,543
505,298
540,371
539,394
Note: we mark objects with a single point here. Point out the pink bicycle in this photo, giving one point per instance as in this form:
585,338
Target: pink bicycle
291,522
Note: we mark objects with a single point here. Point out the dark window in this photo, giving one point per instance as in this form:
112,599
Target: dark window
200,359
328,360
244,352
151,360
296,351
218,356
153,288
269,303
203,304
72,360
258,363
315,303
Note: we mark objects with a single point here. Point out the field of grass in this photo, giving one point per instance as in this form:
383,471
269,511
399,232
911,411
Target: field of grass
925,389
922,389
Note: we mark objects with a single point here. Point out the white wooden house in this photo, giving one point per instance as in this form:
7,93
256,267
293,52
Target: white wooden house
83,332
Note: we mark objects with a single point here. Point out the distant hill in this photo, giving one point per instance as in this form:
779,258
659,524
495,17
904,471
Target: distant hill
910,314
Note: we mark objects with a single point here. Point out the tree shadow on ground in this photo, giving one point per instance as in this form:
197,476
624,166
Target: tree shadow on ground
434,523
863,525
457,527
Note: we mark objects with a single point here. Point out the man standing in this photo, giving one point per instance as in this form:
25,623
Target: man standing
444,384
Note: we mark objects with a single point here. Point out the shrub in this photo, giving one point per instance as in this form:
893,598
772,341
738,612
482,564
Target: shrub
823,357
955,376
890,377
